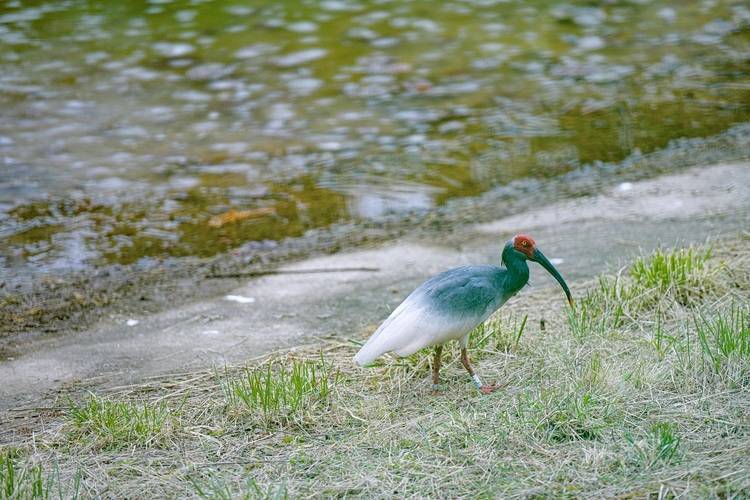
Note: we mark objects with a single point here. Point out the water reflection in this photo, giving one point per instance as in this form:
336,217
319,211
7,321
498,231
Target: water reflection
126,127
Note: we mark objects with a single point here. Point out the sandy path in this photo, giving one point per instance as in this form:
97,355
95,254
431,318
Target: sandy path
588,234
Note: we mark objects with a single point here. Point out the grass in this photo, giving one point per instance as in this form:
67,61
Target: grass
497,335
660,446
724,338
665,270
280,393
218,488
115,425
663,279
20,480
559,415
642,391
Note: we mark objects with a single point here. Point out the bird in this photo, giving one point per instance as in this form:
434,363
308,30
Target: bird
451,304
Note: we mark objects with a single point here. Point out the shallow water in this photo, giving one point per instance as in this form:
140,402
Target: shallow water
133,131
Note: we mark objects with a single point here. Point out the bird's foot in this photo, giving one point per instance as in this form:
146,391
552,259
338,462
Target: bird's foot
489,389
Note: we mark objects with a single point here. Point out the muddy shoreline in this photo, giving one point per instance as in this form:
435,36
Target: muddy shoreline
56,306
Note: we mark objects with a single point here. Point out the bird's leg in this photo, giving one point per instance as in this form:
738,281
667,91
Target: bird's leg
469,368
486,389
436,369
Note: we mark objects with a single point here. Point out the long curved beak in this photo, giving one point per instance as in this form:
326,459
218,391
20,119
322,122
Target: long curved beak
539,257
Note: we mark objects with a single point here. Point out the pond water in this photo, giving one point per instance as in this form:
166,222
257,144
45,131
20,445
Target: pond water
133,131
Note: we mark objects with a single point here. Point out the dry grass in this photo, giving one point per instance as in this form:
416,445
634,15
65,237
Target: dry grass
638,393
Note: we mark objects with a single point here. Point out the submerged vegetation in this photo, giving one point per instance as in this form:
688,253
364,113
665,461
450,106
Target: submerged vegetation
643,390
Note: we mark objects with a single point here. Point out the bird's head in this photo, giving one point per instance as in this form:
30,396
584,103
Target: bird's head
526,246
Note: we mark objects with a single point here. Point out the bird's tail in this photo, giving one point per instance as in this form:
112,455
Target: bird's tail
372,348
389,336
364,359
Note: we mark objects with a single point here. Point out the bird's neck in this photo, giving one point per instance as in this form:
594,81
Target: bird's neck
518,272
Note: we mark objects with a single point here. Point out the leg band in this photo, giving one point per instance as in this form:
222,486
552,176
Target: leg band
477,381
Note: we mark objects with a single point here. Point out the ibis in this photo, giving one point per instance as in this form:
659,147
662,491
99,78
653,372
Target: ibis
450,305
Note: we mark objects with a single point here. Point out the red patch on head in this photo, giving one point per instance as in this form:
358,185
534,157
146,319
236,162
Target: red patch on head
524,244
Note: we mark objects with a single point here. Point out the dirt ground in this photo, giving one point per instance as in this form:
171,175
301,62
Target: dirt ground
587,236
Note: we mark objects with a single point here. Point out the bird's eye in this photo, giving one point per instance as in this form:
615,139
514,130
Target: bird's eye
525,243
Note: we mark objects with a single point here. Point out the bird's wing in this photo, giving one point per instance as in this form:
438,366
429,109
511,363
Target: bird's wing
445,307
466,290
